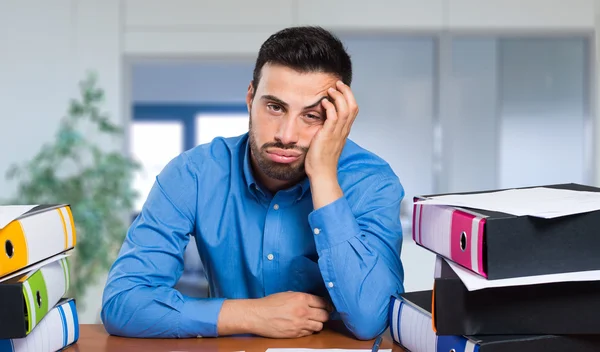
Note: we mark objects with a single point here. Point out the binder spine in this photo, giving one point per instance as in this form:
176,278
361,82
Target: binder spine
395,319
452,233
43,290
456,343
36,299
14,254
59,329
411,329
34,238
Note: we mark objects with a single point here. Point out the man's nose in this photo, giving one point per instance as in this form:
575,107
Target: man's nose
288,131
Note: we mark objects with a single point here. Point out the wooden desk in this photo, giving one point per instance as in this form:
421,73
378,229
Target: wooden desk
93,338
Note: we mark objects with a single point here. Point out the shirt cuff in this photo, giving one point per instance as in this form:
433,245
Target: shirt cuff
200,316
333,224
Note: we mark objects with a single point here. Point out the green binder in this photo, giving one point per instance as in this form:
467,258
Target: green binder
26,298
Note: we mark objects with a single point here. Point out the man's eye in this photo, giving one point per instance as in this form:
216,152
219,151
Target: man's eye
313,117
274,107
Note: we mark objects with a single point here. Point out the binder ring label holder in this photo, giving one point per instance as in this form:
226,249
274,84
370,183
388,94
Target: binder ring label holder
463,241
8,247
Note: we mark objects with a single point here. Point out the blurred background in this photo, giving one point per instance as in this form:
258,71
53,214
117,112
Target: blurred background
457,95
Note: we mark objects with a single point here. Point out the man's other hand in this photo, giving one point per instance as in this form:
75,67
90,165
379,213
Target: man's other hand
290,315
280,315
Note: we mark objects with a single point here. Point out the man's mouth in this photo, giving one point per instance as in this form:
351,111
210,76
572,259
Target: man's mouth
283,156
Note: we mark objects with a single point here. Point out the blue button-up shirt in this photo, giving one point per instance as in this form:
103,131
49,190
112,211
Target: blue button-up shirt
253,243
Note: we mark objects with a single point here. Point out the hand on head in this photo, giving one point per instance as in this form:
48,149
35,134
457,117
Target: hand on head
328,143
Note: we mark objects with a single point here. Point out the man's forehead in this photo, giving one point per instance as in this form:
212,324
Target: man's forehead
282,75
299,87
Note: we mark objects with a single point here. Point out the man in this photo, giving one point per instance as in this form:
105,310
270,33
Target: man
294,223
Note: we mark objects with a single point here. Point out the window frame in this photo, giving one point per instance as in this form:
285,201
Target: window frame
185,114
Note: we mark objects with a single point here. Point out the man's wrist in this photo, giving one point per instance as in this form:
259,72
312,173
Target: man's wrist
325,189
237,316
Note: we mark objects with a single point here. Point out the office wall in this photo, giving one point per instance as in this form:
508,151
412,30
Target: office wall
33,93
188,27
46,49
47,46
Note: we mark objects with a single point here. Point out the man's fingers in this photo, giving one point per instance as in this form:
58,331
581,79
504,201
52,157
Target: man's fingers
316,302
306,332
314,325
350,101
342,110
347,92
332,116
341,107
318,314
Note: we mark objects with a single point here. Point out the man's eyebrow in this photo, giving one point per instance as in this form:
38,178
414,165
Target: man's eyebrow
284,104
314,105
275,99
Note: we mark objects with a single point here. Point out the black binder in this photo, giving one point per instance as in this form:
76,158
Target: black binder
421,301
516,246
553,308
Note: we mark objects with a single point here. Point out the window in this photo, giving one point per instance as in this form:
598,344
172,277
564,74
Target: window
153,155
160,132
211,125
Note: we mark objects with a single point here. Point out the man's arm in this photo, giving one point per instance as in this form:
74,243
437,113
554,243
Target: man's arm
359,255
139,299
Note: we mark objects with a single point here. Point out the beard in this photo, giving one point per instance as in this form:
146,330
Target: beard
282,172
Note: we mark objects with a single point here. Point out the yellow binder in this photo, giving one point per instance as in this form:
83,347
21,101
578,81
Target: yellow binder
32,233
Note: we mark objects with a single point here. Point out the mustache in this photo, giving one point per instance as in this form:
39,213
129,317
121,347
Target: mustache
284,146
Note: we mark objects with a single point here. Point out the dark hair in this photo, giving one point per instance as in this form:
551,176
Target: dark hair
305,49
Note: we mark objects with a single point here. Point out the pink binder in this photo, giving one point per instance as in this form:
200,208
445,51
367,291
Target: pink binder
453,233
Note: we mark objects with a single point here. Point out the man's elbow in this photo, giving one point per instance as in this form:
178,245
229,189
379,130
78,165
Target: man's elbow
368,326
367,332
120,315
113,322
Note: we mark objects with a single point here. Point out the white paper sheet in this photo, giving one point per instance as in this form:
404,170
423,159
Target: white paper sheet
10,212
540,202
323,350
475,282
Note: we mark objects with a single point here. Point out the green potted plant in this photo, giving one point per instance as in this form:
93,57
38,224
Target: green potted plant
95,180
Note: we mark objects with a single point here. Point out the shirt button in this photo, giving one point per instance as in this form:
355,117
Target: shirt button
330,284
317,231
276,206
270,256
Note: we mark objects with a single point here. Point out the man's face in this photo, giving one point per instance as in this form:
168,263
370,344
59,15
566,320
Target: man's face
285,114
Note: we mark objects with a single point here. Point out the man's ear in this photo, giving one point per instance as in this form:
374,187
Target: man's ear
250,96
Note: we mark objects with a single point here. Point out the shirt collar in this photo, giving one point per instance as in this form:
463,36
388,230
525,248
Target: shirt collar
302,188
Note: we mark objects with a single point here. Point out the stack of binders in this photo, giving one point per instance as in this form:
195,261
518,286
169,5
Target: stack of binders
36,313
507,277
